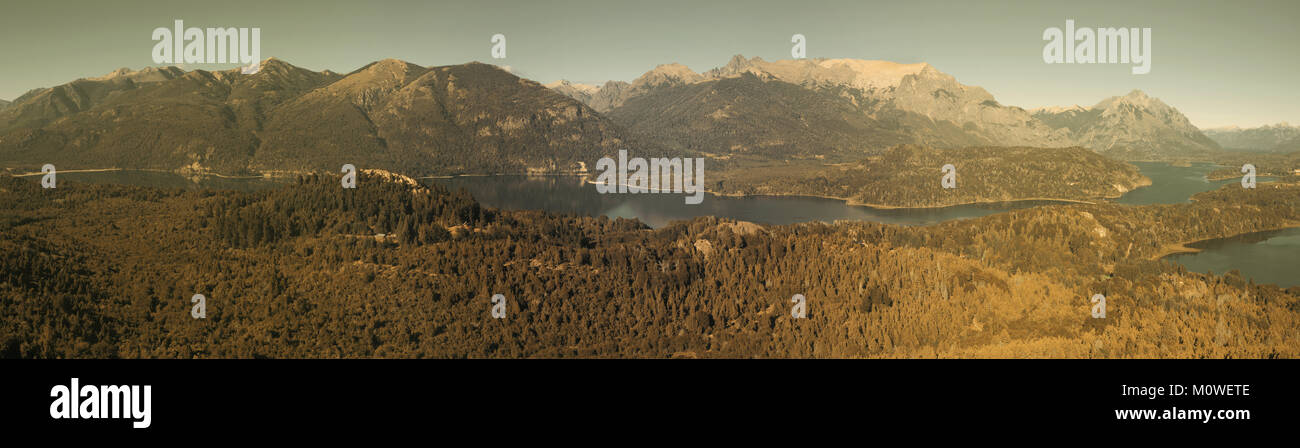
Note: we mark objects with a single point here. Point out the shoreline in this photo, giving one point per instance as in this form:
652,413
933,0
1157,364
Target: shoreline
1181,247
1143,182
278,174
1261,178
853,202
58,171
146,170
283,174
847,201
856,203
223,176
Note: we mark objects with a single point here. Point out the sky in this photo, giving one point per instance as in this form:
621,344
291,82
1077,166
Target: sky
1220,63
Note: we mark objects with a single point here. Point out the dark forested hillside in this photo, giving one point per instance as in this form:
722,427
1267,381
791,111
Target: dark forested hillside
45,105
909,176
1266,164
397,269
470,118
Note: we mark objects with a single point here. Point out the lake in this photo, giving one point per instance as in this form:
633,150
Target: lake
1266,257
159,179
569,194
1169,185
1269,257
1175,184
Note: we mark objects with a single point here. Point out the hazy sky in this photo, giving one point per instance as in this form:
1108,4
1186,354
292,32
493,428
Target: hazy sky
1221,63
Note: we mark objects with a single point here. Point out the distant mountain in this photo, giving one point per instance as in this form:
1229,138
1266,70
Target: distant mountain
1291,145
1278,137
4,104
41,106
389,114
820,73
1133,126
477,118
580,92
810,108
615,93
748,116
890,103
883,87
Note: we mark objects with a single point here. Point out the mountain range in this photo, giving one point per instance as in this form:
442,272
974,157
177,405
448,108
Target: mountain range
478,118
867,106
1130,126
389,114
1281,137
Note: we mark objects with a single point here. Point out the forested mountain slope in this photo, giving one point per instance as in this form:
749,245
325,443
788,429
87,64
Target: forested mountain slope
390,114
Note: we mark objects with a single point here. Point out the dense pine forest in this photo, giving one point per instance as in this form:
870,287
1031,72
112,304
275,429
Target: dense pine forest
398,269
1266,164
908,176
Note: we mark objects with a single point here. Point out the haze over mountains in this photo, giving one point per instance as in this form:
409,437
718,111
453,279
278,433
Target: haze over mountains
477,118
890,103
1133,126
1281,137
